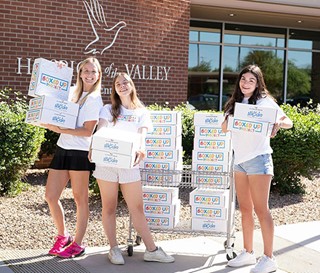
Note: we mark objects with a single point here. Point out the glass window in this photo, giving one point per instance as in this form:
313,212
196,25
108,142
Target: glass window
304,39
194,36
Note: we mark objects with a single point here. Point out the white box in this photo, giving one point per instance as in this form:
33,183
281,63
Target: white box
165,117
47,116
210,167
159,178
209,212
204,118
112,159
161,195
162,222
210,132
203,144
211,157
204,224
54,104
209,197
116,141
255,112
166,130
249,126
165,154
161,165
164,142
158,209
207,181
48,79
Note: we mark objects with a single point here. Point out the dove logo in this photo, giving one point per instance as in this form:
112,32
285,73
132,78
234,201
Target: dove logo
102,32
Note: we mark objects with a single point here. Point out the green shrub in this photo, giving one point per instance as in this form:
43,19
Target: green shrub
19,142
296,151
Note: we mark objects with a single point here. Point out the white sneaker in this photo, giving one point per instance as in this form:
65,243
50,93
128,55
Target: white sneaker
115,255
157,256
265,265
244,258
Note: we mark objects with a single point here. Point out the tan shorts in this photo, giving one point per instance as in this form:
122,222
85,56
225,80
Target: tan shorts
117,175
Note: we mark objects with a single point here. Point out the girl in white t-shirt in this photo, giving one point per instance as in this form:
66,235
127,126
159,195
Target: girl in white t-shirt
253,169
70,161
127,113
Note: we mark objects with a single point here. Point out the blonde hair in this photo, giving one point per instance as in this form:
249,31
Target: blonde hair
96,88
116,101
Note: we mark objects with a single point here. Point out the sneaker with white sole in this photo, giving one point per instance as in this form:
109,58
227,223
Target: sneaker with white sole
115,255
244,258
265,265
157,256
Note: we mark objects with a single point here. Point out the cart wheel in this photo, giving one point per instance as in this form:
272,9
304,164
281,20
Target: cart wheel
138,240
130,250
233,256
225,244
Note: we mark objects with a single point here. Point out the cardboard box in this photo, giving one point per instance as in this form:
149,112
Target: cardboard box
212,119
210,167
161,165
209,181
210,132
48,116
161,195
164,142
54,104
166,130
209,197
48,79
116,141
162,222
158,178
164,154
203,144
204,224
166,117
158,209
112,159
211,157
248,126
209,212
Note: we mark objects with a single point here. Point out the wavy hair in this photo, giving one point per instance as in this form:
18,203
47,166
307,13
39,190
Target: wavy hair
96,88
115,98
261,90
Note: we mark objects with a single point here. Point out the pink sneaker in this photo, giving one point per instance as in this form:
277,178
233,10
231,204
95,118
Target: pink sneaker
60,244
71,251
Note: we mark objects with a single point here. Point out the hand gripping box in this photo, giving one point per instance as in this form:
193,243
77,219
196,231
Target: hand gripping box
209,197
252,119
49,79
50,110
165,117
211,119
160,195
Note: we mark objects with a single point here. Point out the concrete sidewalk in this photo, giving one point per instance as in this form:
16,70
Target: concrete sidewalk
297,249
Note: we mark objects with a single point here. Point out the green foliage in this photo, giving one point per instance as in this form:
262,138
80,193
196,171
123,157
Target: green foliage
296,151
49,145
19,141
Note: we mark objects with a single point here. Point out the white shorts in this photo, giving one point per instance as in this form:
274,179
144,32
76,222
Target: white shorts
118,175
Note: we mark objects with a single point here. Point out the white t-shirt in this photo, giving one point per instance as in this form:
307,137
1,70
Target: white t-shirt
247,146
88,111
129,119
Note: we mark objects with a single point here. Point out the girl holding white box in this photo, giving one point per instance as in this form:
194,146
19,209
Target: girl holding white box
71,161
126,112
253,169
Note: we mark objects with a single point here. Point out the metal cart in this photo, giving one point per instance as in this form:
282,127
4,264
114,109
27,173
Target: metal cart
166,179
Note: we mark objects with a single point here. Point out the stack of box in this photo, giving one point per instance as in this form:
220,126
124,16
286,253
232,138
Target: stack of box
209,209
163,148
50,85
252,119
161,206
115,148
211,150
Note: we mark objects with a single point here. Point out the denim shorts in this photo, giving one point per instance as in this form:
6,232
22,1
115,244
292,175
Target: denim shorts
117,175
261,164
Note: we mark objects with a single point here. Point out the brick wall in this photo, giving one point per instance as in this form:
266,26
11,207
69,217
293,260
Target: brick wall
156,34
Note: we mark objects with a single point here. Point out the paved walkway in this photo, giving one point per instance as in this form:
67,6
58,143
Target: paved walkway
297,248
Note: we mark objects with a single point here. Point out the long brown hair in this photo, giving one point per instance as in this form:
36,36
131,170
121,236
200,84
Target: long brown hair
116,101
79,84
260,91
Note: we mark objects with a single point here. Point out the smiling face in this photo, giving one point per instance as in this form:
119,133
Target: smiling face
247,84
123,86
89,75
